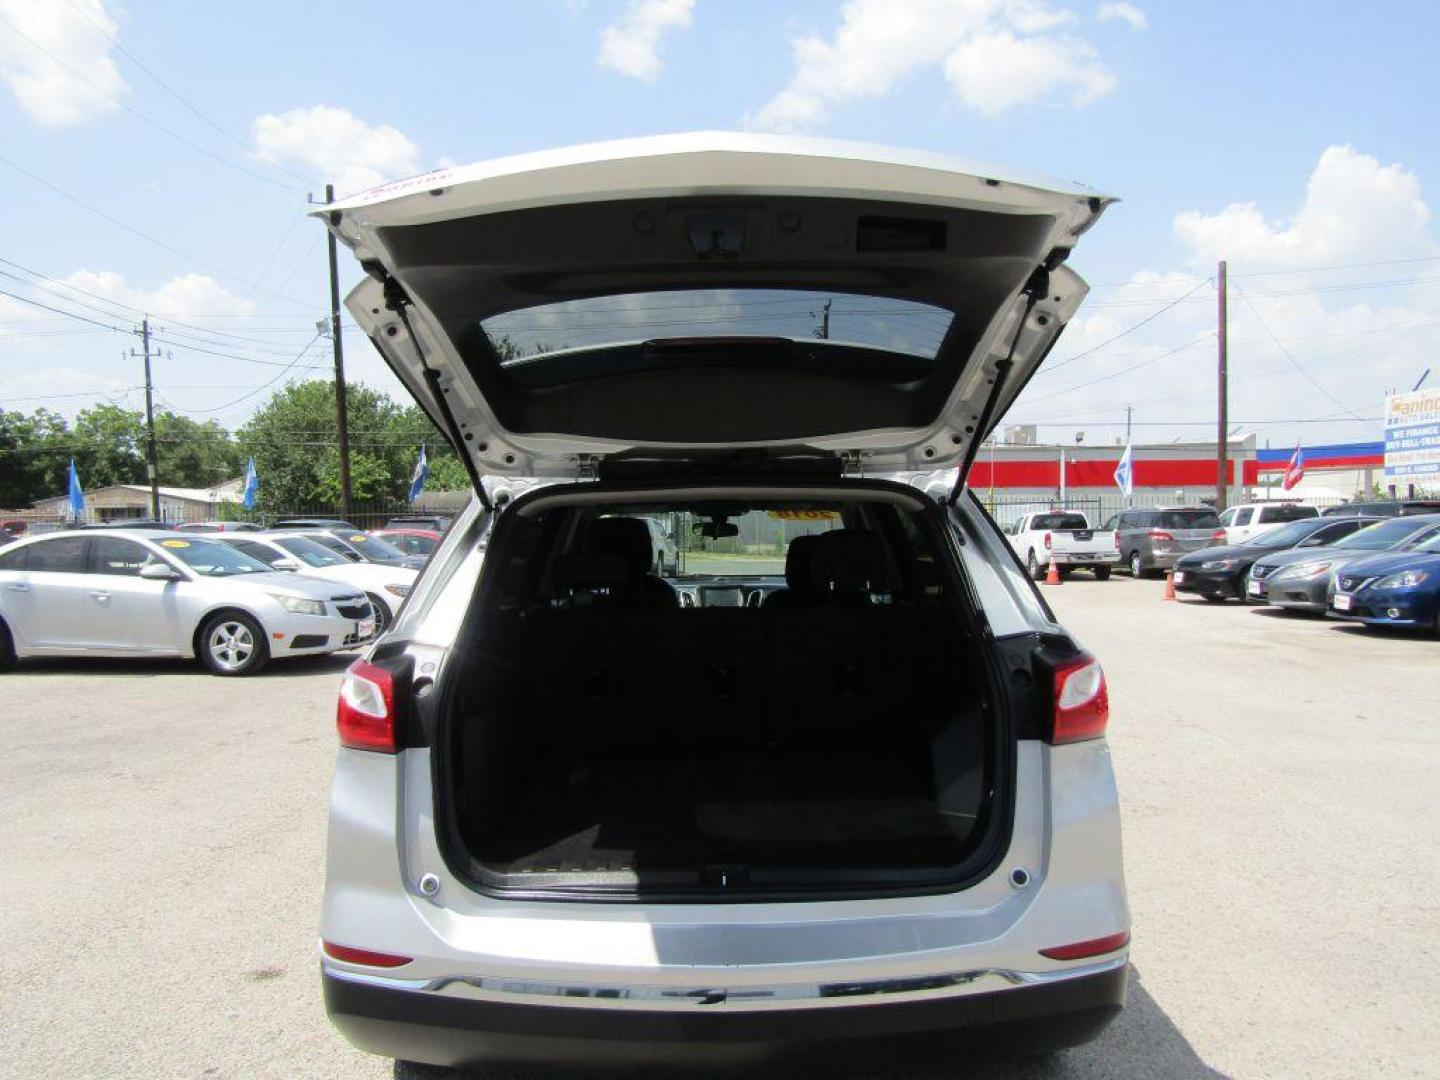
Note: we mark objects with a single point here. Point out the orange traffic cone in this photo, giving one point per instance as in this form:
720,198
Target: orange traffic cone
1052,575
1169,585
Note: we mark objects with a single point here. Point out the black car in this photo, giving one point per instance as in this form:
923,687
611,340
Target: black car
436,522
314,523
1218,573
1383,508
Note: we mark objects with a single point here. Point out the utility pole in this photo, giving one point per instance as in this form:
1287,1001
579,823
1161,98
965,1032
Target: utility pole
824,332
1222,447
342,412
150,460
1129,410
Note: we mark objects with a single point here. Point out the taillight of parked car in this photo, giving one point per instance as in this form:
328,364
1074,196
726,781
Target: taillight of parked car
1047,541
365,717
1082,701
1161,534
1218,536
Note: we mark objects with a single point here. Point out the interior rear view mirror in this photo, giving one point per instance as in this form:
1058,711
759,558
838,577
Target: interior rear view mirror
716,530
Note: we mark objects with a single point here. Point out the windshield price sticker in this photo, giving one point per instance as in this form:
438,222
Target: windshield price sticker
175,543
804,515
357,539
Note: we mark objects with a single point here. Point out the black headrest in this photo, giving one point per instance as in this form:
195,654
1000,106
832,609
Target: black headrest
800,564
628,539
586,571
851,562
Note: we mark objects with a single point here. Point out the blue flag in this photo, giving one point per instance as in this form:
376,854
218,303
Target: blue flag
77,495
1125,473
422,472
252,486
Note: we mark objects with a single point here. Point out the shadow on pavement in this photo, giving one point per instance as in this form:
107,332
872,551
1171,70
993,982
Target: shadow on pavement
93,665
1142,1042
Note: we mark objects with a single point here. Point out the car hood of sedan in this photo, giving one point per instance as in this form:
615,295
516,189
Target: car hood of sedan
1392,563
298,585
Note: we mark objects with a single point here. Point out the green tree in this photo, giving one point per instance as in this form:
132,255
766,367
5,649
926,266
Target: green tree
110,446
35,455
192,454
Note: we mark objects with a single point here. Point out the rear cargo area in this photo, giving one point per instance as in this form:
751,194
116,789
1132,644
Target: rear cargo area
810,744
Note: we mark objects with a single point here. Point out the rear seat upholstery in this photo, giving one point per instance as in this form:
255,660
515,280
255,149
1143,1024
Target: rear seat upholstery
825,664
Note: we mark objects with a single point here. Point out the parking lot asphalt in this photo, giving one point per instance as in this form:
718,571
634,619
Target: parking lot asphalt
163,848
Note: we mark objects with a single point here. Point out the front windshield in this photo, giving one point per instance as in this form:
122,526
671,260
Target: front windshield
372,547
758,548
213,559
1429,546
311,553
1385,534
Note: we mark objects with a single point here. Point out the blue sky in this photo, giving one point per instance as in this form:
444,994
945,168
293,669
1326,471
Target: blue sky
1290,138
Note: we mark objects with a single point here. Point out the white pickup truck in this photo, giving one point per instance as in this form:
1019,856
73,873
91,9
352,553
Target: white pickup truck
1066,537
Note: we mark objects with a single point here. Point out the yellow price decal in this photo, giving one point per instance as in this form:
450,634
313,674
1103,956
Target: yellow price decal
175,543
804,515
357,539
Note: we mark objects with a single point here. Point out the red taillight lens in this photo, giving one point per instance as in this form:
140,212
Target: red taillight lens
363,956
1082,702
1218,536
1117,539
1081,950
1047,541
365,716
1160,534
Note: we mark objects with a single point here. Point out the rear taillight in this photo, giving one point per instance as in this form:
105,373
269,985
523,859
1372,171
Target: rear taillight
1160,534
1047,541
365,716
1082,702
1117,539
1218,536
363,956
1082,950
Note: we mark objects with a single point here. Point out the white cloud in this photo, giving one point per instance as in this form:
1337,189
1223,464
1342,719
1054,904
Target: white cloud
1357,330
996,55
996,72
78,79
631,45
189,296
334,144
1129,13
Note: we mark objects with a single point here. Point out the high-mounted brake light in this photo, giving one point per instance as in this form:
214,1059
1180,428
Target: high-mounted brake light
1160,534
365,716
1082,702
1082,950
363,956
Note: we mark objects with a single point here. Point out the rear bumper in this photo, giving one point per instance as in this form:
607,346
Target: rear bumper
1080,561
418,1024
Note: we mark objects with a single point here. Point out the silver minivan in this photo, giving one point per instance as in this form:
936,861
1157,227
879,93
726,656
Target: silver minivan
840,779
1150,540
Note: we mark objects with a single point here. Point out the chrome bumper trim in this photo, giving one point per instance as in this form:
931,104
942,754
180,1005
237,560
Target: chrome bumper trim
480,987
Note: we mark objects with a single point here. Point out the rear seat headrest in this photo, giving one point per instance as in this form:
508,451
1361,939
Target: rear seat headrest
800,564
590,571
627,539
850,562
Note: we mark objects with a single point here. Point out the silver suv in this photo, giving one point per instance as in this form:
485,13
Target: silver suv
1150,540
844,779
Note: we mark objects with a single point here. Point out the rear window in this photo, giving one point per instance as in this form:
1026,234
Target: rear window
532,343
1286,513
1187,519
63,555
1059,522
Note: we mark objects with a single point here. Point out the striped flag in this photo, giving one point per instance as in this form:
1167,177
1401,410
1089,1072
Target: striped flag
1295,471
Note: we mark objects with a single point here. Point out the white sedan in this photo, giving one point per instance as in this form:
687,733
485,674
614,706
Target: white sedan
385,586
152,593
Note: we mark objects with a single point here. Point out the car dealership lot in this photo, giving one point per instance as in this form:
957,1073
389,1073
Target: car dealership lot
163,853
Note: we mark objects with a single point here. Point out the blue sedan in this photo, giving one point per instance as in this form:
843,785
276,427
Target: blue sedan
1397,589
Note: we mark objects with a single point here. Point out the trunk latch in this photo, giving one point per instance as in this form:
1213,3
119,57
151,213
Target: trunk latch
727,876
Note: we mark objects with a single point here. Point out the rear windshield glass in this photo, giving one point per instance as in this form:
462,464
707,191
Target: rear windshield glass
1058,521
877,323
1187,519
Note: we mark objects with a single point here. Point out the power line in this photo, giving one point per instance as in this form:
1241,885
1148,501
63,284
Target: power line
263,386
1124,371
1123,333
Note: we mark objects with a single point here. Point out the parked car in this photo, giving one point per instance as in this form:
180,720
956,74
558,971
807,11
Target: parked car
1149,540
667,551
412,541
1219,573
571,815
1398,588
130,523
217,526
1064,536
432,522
1384,508
315,523
385,586
359,546
6,535
1247,519
1302,580
149,594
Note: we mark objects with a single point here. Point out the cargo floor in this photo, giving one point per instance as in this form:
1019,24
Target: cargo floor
772,815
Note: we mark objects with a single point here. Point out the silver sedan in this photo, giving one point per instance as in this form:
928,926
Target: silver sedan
152,593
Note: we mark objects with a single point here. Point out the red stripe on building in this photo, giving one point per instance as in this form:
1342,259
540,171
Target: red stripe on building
1356,462
1175,472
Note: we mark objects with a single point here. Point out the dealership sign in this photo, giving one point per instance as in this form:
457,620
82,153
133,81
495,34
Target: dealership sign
1412,438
